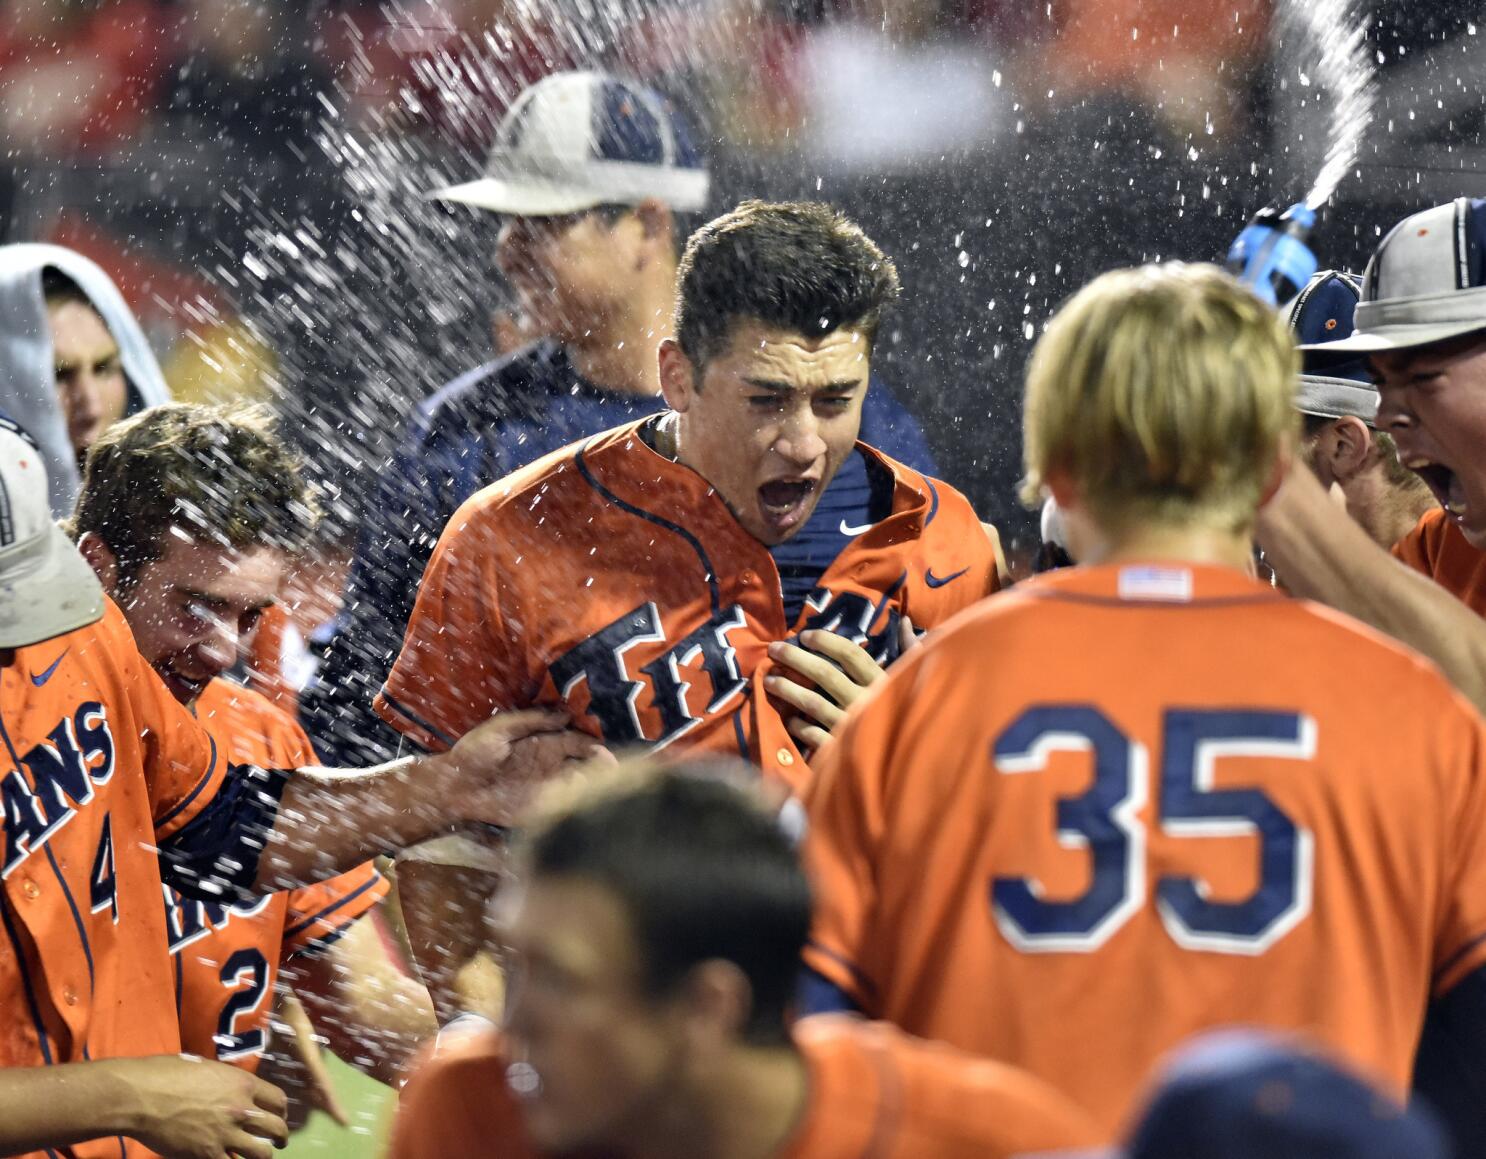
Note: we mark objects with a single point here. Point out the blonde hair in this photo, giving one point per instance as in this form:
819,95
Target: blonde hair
1165,393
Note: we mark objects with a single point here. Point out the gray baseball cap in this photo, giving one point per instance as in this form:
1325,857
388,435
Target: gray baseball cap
1426,282
46,587
576,140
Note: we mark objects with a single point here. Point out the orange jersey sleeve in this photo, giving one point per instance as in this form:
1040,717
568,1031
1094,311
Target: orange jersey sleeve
456,1102
877,1091
1061,805
456,666
1438,549
227,957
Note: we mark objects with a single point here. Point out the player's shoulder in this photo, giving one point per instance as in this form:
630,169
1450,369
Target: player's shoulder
470,1051
486,394
568,475
945,508
256,730
949,1102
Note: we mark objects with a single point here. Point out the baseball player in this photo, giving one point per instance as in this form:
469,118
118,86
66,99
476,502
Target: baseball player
649,580
594,177
188,603
1421,325
655,939
1338,405
109,782
1136,798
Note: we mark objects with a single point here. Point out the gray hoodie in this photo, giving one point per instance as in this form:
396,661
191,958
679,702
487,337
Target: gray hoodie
28,391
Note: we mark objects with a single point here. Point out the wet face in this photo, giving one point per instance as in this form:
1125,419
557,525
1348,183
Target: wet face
192,609
569,272
1432,400
601,1056
89,375
771,420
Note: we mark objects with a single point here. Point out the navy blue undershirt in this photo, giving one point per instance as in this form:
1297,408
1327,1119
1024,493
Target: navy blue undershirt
859,496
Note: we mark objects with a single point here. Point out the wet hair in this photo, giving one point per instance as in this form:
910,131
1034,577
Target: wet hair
213,474
1166,393
799,266
58,289
702,868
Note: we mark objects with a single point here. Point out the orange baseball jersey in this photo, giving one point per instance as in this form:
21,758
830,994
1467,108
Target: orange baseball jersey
100,763
872,1091
227,957
611,580
1440,550
1123,804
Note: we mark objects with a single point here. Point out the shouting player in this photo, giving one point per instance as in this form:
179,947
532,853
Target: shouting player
655,940
1136,798
594,177
189,603
109,782
648,580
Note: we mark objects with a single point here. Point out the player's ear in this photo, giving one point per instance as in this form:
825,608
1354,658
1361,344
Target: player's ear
101,559
718,1001
1350,447
678,376
657,224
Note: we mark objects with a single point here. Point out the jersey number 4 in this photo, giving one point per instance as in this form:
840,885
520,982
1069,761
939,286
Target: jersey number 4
1105,821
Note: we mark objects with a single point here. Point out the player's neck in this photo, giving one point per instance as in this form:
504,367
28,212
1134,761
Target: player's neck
1173,544
747,1109
623,355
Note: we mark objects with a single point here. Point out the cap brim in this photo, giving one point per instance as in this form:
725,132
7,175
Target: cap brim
523,198
1335,398
46,591
1404,336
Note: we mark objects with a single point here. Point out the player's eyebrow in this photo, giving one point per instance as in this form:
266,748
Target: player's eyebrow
844,384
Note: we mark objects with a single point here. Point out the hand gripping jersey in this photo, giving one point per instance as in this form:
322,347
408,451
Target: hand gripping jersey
1440,550
83,968
872,1091
227,956
611,580
1123,804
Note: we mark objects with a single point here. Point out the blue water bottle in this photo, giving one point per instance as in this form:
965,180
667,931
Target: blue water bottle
1271,255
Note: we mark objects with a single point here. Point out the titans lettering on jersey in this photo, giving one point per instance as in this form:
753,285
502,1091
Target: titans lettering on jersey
602,665
56,778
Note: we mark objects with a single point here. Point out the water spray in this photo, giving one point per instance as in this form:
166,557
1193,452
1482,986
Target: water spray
1272,254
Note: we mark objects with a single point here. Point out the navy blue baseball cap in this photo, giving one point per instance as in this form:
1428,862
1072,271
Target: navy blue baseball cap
1426,282
1321,315
576,140
1248,1095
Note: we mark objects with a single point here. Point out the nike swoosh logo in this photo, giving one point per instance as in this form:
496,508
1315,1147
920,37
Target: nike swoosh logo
848,529
47,675
935,582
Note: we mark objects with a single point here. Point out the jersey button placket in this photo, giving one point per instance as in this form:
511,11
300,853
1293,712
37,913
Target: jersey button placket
784,757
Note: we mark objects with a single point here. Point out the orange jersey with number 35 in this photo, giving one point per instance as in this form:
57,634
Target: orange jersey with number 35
227,957
1123,804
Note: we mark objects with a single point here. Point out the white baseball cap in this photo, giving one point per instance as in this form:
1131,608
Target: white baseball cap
46,587
1426,283
576,140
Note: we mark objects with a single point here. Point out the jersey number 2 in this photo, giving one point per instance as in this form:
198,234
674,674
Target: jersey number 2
1105,821
250,967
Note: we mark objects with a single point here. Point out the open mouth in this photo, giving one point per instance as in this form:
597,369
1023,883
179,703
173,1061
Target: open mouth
183,688
1446,486
784,501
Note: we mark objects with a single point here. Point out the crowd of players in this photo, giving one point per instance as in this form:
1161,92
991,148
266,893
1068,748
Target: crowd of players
869,893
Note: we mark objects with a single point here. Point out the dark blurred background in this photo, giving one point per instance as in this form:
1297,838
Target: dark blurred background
251,172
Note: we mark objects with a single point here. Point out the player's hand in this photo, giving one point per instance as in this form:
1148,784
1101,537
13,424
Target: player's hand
192,1108
500,764
838,672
